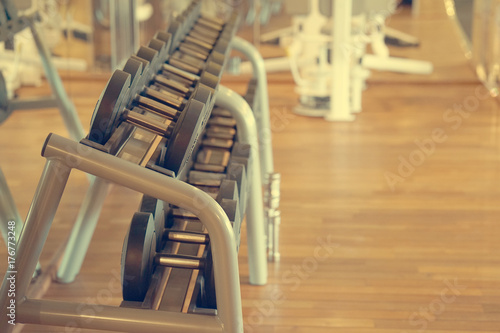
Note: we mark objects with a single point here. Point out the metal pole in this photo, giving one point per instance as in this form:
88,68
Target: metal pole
247,133
102,317
34,234
341,47
262,113
67,109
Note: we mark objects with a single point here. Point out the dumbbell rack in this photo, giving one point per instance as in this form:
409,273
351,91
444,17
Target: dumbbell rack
90,210
110,165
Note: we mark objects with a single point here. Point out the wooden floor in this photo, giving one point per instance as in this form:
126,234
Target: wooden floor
359,255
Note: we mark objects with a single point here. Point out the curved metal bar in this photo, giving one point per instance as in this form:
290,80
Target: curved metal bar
64,155
262,113
247,133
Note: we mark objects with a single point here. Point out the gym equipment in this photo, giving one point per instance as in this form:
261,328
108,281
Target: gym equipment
143,110
271,180
109,132
151,230
140,257
181,132
229,189
485,45
62,158
11,23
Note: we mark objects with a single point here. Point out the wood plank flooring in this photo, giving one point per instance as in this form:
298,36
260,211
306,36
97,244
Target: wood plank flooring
357,255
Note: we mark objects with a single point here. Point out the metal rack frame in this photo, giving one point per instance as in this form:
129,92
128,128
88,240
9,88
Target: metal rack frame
88,215
63,155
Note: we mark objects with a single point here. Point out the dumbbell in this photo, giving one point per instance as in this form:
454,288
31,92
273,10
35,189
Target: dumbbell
182,131
142,244
152,62
219,136
197,41
143,67
163,221
211,71
214,160
218,161
200,33
220,132
203,35
225,190
165,92
221,190
153,58
174,73
215,184
179,30
140,258
194,65
208,27
191,76
162,102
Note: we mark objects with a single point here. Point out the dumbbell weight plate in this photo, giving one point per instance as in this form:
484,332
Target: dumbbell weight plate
152,56
137,257
135,68
161,47
155,207
109,107
184,137
187,131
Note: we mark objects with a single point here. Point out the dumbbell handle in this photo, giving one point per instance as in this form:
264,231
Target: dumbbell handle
181,73
184,66
171,84
166,97
199,43
187,237
146,123
178,261
193,51
157,107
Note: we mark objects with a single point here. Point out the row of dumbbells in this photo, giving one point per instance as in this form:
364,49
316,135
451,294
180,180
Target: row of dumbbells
167,89
161,236
170,240
155,95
